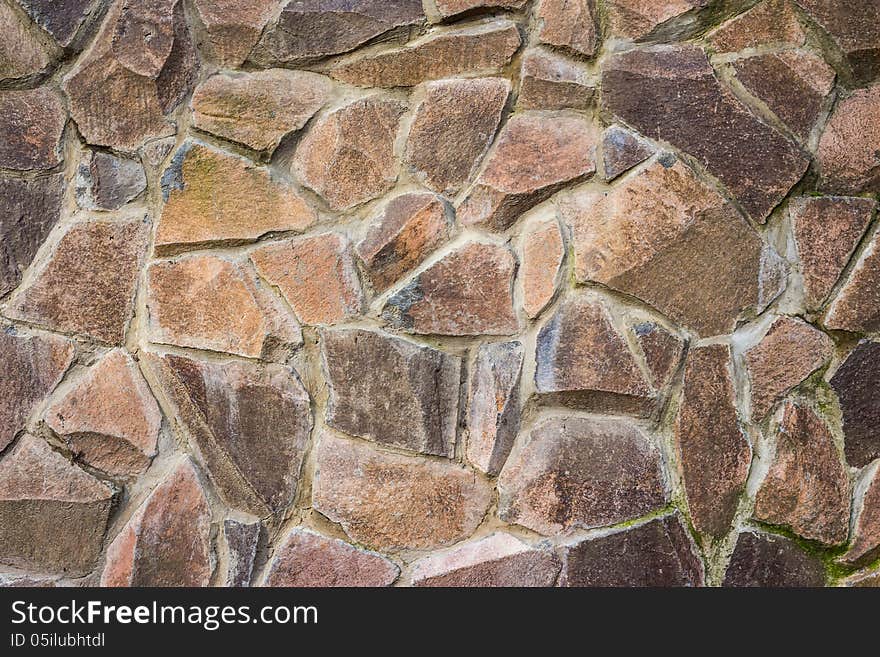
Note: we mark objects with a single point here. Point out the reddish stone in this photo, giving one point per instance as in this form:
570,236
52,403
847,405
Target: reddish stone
22,52
241,547
857,384
308,559
30,133
569,24
662,351
865,545
468,292
107,182
849,151
543,254
497,560
764,560
448,8
770,23
232,27
551,82
857,307
640,19
578,473
430,504
622,150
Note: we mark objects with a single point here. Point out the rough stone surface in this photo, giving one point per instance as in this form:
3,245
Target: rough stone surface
639,19
107,182
250,422
569,24
857,307
551,82
60,18
543,255
232,27
576,473
30,133
452,128
52,514
167,542
658,553
772,561
497,560
622,150
258,109
22,52
865,544
770,23
409,399
447,8
662,351
713,452
857,384
864,580
91,296
241,539
534,156
430,504
849,151
308,559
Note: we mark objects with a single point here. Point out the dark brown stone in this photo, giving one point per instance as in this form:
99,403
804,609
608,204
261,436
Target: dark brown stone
764,560
622,150
241,547
233,27
551,82
857,384
662,351
857,306
60,18
30,133
107,182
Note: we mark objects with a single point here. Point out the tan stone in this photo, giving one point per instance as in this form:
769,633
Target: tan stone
233,27
857,307
22,52
773,22
849,151
569,24
865,544
543,254
30,133
551,82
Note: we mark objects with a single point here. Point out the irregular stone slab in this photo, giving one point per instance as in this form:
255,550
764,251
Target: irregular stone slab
212,197
208,302
578,473
257,109
497,560
52,514
483,47
232,27
569,25
28,211
316,275
60,18
241,545
865,544
402,236
409,399
535,155
22,52
494,410
658,553
30,368
794,84
448,8
144,36
88,284
713,451
663,94
431,504
310,30
857,384
107,182
308,559
807,488
827,231
765,560
662,350
167,542
250,423
468,292
640,19
30,134
770,23
622,150
543,255
348,156
667,238
848,151
857,306
583,361
790,352
452,129
551,82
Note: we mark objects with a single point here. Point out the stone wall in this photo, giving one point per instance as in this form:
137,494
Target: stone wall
462,292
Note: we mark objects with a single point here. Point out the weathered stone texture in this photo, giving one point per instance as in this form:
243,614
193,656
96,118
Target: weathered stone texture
770,23
30,133
848,151
551,82
233,27
638,19
772,561
60,18
857,384
857,307
543,254
242,539
569,24
865,544
107,182
22,52
662,351
447,8
622,150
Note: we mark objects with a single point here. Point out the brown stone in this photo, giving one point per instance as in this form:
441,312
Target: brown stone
864,580
143,36
663,93
167,542
107,182
208,302
578,473
857,306
543,254
535,155
497,560
30,133
827,231
91,295
807,488
658,553
316,275
713,452
250,422
569,24
22,52
28,211
865,545
790,352
62,19
15,580
857,384
52,514
308,559
212,197
310,30
765,560
30,368
622,150
770,23
662,350
484,47
452,129
849,151
348,156
583,360
468,292
448,8
399,239
667,238
551,82
241,546
257,109
430,504
494,410
640,19
392,391
232,27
